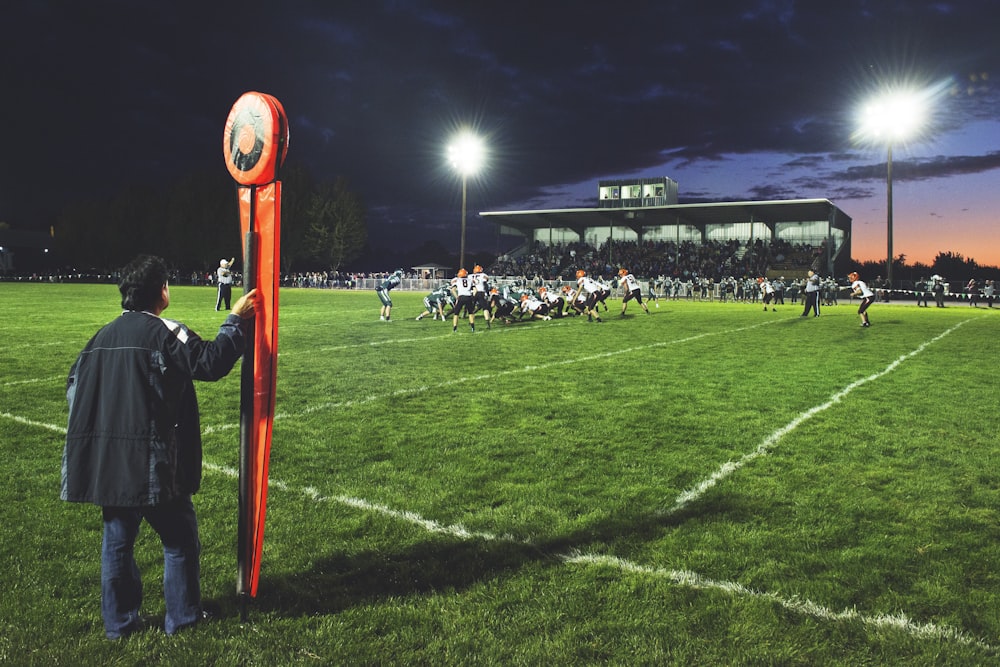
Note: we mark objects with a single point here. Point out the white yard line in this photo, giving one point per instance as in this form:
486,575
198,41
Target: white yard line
688,579
729,467
53,378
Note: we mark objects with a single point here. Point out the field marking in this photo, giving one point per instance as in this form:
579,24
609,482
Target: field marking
31,422
486,377
730,467
392,341
431,526
688,579
677,577
14,383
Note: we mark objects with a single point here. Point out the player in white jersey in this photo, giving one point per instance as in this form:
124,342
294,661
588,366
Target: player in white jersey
632,290
463,289
767,294
556,302
534,308
592,290
481,281
860,288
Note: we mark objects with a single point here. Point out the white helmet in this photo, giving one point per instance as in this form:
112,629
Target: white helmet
224,263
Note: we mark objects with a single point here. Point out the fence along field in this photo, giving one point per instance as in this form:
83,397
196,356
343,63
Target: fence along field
663,484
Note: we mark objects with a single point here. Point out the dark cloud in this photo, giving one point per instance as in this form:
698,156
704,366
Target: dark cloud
101,94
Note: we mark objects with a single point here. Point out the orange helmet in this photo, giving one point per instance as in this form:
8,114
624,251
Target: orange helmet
623,272
566,289
580,273
477,269
853,275
493,290
543,289
524,297
462,273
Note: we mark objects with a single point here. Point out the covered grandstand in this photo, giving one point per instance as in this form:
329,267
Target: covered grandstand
646,217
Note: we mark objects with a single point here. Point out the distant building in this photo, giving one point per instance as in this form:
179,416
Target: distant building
646,209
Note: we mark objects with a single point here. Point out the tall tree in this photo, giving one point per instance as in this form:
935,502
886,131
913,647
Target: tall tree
337,225
297,190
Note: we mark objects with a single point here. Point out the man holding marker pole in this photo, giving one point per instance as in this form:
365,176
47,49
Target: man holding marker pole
133,441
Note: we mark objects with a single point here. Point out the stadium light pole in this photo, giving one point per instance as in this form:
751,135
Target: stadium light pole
889,118
465,153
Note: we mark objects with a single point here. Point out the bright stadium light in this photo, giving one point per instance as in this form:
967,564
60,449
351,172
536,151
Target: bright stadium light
890,118
466,154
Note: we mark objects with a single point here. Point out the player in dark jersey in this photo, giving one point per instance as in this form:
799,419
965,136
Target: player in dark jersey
383,293
435,303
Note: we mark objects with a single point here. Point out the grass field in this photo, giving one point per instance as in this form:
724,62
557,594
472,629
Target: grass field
708,485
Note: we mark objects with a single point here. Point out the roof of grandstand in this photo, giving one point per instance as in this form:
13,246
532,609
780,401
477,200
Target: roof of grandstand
638,218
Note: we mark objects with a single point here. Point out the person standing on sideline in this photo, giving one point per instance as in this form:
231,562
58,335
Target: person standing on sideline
631,290
973,290
811,298
938,293
988,291
133,441
224,277
920,289
860,289
383,289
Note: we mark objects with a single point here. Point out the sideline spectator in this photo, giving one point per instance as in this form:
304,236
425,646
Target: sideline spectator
133,443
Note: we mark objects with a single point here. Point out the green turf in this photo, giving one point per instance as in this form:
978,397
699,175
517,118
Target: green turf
709,484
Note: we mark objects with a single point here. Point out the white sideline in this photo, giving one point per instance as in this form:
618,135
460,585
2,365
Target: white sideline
729,467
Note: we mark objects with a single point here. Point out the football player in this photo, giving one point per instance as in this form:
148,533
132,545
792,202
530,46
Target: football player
631,290
463,290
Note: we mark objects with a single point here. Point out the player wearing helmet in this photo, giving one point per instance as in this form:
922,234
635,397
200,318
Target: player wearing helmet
767,293
586,286
555,300
654,295
383,289
481,282
632,290
860,288
463,288
534,308
501,305
436,301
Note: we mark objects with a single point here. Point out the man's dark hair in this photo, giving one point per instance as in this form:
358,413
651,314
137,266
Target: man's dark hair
142,282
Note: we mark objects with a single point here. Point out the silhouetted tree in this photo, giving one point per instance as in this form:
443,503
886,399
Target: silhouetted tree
337,227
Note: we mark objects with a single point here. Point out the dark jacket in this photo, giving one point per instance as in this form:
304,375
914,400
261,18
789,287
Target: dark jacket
134,437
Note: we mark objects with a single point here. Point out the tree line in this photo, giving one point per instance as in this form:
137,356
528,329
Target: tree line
195,221
951,265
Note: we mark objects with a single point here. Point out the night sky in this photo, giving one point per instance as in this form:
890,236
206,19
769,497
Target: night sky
733,100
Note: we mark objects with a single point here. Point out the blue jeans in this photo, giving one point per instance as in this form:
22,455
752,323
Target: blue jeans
121,582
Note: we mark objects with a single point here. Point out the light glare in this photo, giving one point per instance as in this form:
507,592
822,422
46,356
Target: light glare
466,153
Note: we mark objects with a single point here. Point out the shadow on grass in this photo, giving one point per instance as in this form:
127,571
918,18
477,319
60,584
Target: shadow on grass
442,564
